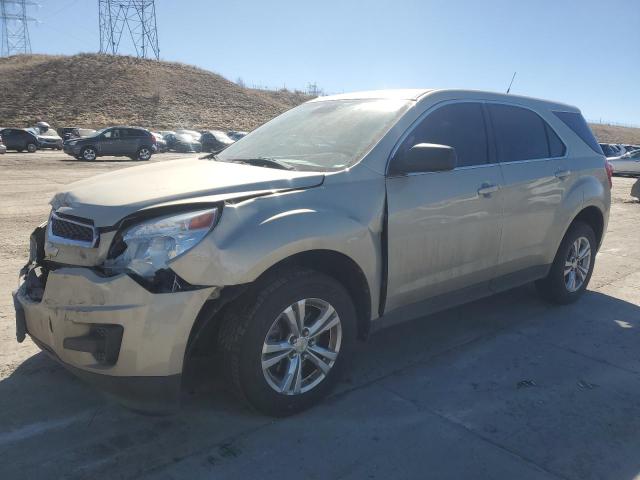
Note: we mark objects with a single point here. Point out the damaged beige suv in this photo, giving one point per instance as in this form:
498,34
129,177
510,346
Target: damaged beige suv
342,215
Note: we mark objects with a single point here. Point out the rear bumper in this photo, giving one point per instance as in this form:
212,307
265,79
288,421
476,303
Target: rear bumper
141,365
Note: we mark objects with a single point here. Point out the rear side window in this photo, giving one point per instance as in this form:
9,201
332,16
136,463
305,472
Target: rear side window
458,125
577,123
134,132
521,134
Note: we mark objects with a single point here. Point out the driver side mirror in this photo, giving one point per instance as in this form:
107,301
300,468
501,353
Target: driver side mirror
425,157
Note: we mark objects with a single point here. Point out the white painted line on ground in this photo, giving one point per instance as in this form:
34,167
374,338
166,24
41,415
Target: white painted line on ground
39,428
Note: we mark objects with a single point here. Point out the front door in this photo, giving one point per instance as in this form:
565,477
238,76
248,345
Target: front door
110,142
444,227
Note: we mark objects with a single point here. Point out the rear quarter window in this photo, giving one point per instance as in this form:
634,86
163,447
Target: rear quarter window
576,122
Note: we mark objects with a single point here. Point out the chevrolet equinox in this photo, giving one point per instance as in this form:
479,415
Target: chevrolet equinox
342,215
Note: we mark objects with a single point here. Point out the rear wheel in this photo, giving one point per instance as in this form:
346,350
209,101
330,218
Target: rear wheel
31,147
88,154
144,153
285,347
572,267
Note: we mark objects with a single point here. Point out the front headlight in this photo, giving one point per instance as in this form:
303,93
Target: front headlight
150,245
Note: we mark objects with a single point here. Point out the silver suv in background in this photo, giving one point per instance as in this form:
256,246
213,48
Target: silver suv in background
338,217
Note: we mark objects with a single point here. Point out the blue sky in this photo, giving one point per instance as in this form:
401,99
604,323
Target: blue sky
583,52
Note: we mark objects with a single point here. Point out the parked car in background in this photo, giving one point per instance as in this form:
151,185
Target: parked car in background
369,209
19,139
47,137
75,132
196,135
627,164
3,148
236,135
610,150
161,144
635,190
182,142
134,142
215,141
631,148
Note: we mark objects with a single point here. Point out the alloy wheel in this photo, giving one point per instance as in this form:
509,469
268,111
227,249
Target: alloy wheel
301,346
577,263
144,154
89,154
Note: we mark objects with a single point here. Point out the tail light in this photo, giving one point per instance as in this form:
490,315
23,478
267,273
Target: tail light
609,168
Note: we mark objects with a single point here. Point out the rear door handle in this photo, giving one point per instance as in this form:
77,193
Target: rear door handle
487,189
562,174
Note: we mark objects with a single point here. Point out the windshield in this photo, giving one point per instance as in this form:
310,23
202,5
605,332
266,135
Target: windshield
326,135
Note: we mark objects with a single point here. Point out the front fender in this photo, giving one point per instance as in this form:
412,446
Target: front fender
251,238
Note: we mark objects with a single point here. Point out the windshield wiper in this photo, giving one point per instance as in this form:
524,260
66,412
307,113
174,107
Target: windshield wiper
261,162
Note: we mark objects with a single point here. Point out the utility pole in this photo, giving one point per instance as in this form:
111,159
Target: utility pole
135,19
15,26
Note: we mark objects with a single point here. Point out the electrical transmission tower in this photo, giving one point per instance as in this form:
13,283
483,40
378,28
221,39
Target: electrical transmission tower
132,18
15,26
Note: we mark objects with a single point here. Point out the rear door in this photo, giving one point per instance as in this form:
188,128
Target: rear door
444,227
10,139
533,163
133,141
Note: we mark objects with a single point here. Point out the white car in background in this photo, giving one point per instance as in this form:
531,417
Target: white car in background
627,164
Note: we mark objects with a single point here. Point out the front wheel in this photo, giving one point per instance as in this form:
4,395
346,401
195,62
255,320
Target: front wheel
285,347
88,154
31,147
572,267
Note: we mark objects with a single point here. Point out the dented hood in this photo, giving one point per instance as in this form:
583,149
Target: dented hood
108,198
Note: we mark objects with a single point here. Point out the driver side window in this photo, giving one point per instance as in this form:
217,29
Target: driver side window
115,133
457,125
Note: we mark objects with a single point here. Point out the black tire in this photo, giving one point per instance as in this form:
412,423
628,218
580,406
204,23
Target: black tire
247,323
144,154
88,154
32,147
553,287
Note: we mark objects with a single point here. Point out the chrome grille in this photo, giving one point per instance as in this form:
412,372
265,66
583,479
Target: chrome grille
74,232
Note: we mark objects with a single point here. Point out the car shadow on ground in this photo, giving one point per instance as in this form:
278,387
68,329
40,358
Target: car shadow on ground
73,430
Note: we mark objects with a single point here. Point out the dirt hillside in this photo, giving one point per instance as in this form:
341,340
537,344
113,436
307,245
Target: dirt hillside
94,90
615,134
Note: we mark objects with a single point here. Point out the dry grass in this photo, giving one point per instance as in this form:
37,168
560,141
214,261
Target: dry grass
615,134
99,90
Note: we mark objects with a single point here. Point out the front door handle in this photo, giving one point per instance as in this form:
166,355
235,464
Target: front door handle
562,174
487,189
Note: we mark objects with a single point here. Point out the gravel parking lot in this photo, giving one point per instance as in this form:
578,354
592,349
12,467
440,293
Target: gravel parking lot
506,387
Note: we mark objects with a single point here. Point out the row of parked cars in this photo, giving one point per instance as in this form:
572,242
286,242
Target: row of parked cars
624,159
134,142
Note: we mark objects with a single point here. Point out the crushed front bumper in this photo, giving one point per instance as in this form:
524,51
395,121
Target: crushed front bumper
111,331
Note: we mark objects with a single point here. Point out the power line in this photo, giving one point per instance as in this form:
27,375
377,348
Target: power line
15,26
130,18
